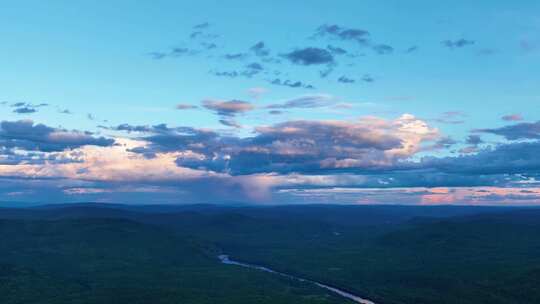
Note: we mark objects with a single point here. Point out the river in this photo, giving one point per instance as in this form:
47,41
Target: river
226,260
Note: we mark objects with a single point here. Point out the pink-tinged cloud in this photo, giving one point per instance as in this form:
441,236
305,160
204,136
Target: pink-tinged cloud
512,117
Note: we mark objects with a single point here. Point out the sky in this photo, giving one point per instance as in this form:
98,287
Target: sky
270,102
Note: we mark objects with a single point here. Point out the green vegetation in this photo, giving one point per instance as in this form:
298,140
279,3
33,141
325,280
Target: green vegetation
119,261
151,255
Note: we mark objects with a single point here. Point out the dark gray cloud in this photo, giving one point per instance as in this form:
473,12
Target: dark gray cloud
64,111
230,123
291,83
181,51
27,108
514,132
444,143
342,33
255,66
344,79
324,73
383,49
310,56
260,49
230,74
294,146
513,158
24,110
235,56
336,50
249,71
201,26
209,45
26,135
474,140
411,49
459,43
367,78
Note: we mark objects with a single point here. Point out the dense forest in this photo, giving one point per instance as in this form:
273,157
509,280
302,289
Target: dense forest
93,253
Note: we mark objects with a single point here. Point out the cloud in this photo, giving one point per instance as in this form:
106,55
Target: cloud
474,140
300,146
201,26
230,74
310,56
185,106
451,117
209,45
181,51
235,56
336,50
459,43
255,66
342,33
367,78
344,79
157,55
26,135
411,49
27,108
228,108
504,159
260,49
230,123
517,131
383,49
291,83
24,110
257,92
512,117
306,101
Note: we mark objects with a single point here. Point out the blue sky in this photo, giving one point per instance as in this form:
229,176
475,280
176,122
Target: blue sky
349,74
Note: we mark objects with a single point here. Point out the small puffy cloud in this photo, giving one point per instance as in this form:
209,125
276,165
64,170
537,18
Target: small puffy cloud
291,83
201,26
336,50
458,43
185,106
512,117
344,79
383,49
230,123
342,33
260,49
310,56
474,140
228,108
26,108
451,117
411,49
235,56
